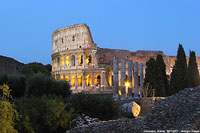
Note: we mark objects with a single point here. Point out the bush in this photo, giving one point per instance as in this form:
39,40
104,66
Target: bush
43,114
96,106
17,83
40,84
8,114
3,78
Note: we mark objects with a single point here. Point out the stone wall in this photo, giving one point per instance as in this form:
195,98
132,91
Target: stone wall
9,65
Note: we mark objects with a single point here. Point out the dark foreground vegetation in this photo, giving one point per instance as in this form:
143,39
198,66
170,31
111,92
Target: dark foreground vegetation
35,102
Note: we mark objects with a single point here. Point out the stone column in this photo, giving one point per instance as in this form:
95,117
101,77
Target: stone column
115,78
84,60
83,85
92,76
141,78
130,79
123,77
75,80
136,80
76,60
64,61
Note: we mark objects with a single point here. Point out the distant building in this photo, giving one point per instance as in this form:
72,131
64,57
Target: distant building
88,68
10,66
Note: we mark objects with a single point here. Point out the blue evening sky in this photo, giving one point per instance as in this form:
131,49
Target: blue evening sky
26,26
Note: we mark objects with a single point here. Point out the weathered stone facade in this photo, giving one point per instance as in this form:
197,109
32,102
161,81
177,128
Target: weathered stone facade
9,65
88,68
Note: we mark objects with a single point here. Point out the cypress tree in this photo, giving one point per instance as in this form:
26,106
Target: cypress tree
150,76
161,88
179,72
192,76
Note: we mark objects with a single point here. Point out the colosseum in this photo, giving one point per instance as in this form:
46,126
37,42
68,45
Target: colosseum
88,68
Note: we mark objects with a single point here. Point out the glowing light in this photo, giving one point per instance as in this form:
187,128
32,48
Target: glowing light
80,59
72,80
67,78
88,59
67,61
119,92
61,77
127,84
80,80
62,61
88,80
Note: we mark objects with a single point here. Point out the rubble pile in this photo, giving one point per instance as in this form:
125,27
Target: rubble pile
177,112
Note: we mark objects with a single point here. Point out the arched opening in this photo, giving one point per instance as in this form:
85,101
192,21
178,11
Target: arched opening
67,78
88,59
80,80
67,60
80,59
61,77
58,61
62,61
73,60
88,80
97,80
72,80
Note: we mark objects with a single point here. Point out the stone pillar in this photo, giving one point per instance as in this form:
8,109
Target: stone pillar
64,61
130,79
136,80
76,60
115,78
92,76
84,60
141,78
83,85
123,77
75,80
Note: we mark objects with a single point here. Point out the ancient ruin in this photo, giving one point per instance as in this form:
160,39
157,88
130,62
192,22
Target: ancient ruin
10,65
90,69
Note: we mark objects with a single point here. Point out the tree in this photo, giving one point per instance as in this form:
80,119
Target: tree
17,84
32,68
177,81
43,114
8,114
192,76
41,84
161,86
150,77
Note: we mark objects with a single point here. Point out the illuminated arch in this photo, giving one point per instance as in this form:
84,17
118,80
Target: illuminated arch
62,61
97,80
61,77
73,60
88,80
80,59
88,59
67,78
67,60
72,80
80,80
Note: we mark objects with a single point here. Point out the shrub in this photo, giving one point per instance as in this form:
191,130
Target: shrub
43,114
8,114
3,78
17,83
96,106
40,84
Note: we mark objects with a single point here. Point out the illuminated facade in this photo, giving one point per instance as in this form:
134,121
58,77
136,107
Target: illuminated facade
88,68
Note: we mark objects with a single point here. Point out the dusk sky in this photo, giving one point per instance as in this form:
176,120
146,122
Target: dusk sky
26,26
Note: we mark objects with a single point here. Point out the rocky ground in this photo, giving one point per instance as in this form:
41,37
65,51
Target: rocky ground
178,112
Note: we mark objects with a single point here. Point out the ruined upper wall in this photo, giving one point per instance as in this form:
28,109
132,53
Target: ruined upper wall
9,65
72,37
148,53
